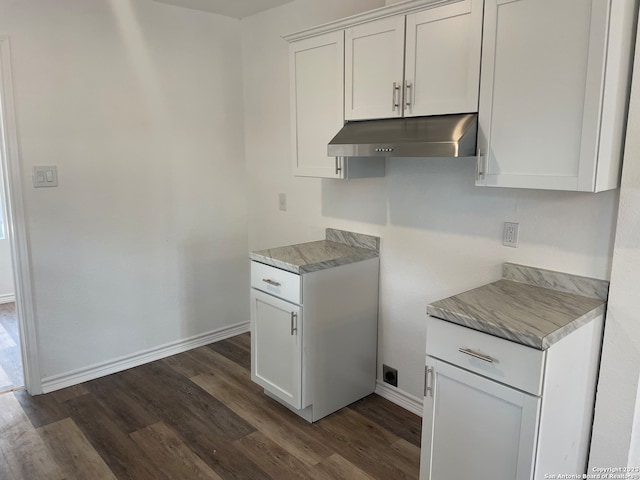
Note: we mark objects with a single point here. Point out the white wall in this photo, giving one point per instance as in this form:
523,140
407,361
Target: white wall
440,234
616,433
139,105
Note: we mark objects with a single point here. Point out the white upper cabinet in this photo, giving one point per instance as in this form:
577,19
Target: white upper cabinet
442,72
374,61
553,96
421,63
317,99
317,110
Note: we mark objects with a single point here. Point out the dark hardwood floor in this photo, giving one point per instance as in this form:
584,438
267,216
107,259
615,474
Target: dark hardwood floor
197,415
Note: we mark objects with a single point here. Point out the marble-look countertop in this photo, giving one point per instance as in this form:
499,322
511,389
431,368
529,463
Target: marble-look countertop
530,306
339,248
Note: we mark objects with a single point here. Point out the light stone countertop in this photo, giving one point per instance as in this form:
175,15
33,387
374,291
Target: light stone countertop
530,306
339,248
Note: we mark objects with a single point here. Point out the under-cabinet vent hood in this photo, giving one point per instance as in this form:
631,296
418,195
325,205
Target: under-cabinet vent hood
435,136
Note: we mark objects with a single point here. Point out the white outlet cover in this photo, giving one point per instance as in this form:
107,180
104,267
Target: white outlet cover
282,201
511,234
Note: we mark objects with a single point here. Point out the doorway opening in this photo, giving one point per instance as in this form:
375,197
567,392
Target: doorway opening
11,371
12,363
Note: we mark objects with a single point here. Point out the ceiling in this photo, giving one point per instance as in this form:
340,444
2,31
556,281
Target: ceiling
228,8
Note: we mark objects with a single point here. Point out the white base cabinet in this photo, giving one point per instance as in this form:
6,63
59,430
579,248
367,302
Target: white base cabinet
525,414
466,408
314,336
277,346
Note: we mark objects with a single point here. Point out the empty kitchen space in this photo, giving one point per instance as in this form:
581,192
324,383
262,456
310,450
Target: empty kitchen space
334,239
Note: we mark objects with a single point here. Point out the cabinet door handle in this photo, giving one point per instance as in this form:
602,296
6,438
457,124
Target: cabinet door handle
338,166
294,323
271,282
480,170
428,379
407,95
395,103
484,358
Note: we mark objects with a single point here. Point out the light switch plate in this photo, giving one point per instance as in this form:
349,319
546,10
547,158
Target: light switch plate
45,176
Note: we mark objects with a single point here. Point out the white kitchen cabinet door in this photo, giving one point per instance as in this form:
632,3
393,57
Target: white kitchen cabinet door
276,347
553,93
374,63
317,102
476,428
442,72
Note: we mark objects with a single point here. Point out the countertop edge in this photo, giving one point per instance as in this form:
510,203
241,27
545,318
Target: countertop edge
484,327
274,263
517,337
313,267
562,332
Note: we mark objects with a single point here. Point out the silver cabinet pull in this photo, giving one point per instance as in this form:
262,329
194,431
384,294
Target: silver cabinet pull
338,166
395,102
428,379
477,355
294,323
271,282
480,166
407,95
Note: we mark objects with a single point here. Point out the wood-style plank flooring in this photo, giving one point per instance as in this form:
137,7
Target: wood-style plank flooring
197,415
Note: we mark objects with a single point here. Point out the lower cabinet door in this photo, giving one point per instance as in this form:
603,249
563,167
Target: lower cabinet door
276,347
476,428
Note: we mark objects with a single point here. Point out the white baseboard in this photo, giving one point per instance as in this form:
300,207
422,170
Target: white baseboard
8,298
75,377
399,397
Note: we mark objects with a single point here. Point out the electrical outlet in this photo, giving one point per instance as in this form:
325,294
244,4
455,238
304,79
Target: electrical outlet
390,375
510,237
282,202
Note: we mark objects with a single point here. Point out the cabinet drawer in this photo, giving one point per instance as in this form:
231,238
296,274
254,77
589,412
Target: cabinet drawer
507,362
280,283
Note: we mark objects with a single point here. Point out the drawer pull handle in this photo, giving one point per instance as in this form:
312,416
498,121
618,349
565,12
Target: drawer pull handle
477,355
271,282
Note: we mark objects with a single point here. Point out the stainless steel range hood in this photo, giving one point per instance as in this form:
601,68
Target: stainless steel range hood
436,136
